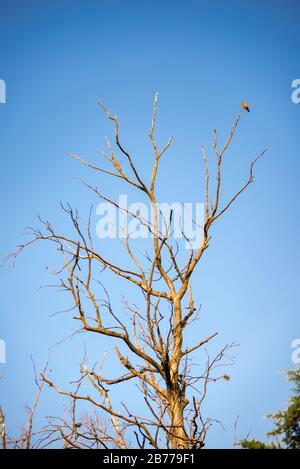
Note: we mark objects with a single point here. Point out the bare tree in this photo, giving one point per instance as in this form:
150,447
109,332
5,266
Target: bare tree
150,346
87,430
3,429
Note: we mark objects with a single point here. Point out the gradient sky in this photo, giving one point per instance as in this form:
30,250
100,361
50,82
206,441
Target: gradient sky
58,58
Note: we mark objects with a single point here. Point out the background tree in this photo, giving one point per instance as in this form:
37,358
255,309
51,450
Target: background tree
286,432
150,344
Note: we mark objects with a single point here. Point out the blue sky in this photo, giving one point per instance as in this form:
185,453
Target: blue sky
57,59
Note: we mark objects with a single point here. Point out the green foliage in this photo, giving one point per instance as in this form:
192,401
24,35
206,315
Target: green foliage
256,444
286,432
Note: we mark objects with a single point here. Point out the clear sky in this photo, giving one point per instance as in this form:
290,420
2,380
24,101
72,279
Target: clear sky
58,58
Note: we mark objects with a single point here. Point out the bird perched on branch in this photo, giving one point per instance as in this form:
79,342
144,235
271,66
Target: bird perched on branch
245,106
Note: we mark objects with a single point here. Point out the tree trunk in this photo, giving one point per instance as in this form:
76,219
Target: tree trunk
178,401
179,437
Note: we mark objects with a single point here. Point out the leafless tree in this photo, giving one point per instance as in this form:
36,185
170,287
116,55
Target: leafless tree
150,346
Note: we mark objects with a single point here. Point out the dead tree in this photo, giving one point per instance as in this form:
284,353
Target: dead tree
150,346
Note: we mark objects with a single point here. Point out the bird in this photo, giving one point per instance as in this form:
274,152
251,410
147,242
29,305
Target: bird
245,106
